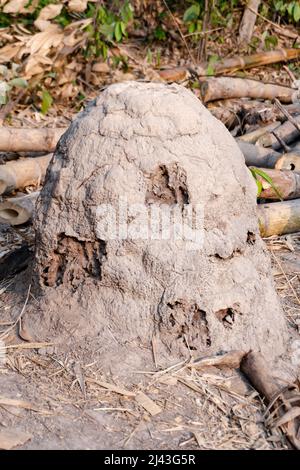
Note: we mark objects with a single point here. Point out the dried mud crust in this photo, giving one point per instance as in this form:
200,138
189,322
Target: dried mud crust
154,145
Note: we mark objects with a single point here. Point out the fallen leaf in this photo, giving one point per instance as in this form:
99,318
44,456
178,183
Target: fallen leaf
13,438
77,5
101,67
42,25
50,11
8,52
23,332
16,6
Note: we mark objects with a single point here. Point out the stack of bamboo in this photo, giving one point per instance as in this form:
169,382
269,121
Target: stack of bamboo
23,173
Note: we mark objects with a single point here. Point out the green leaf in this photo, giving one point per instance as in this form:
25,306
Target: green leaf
159,33
18,82
296,12
210,70
191,13
118,31
290,8
123,28
259,187
257,171
108,30
47,101
126,12
4,89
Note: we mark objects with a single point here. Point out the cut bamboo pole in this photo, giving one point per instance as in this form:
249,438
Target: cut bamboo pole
279,218
288,161
232,64
286,182
287,132
258,156
14,139
230,87
253,136
18,210
24,172
248,21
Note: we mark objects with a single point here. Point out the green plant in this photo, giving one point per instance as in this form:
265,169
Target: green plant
10,80
213,59
270,41
256,172
107,26
220,13
47,101
193,16
291,10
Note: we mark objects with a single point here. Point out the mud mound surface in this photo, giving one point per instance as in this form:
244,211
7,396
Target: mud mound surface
147,235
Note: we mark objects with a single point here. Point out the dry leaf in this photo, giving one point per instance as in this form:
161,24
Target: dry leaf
8,52
77,5
13,438
42,25
42,42
50,11
23,332
16,6
101,67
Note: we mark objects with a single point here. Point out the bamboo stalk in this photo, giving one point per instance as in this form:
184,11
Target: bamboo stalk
248,21
287,132
231,87
258,156
288,161
18,210
279,218
286,182
232,64
14,139
24,172
253,136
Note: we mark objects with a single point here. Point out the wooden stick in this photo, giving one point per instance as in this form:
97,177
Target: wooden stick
258,156
18,210
24,172
44,139
286,182
248,21
287,132
279,218
284,402
232,87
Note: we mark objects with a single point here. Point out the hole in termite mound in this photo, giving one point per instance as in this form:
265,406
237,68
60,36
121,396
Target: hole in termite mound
8,214
227,316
